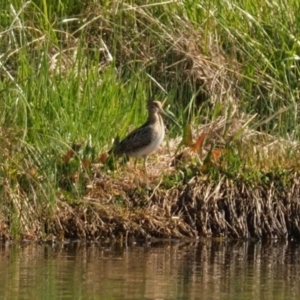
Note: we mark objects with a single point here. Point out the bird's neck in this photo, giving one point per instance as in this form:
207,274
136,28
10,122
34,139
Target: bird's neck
153,118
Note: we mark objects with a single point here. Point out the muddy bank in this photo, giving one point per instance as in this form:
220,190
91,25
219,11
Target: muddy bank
115,208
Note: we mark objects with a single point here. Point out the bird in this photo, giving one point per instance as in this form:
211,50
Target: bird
144,140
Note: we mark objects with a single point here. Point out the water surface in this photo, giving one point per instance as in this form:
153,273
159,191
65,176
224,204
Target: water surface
162,270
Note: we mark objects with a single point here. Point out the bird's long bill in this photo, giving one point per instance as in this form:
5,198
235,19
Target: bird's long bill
170,115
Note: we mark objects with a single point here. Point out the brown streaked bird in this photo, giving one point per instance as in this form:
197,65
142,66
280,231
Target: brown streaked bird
146,139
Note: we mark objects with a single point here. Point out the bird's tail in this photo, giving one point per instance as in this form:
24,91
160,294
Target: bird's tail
115,148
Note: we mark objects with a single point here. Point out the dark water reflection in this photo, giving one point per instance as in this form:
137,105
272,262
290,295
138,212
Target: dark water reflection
186,270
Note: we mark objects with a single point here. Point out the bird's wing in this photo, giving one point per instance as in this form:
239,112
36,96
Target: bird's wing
136,140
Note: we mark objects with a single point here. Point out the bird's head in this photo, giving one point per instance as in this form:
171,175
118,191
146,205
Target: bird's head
155,107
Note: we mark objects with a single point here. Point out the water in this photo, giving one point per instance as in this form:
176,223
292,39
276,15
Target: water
163,270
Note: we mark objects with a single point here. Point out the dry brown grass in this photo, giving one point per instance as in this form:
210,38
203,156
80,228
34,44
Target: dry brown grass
115,209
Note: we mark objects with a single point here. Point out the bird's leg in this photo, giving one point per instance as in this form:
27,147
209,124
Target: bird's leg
145,164
135,162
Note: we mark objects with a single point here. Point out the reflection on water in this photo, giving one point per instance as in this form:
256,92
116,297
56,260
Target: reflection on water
174,270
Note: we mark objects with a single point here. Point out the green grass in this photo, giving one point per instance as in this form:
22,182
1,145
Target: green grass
83,73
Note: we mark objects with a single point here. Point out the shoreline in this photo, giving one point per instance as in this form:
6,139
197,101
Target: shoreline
118,208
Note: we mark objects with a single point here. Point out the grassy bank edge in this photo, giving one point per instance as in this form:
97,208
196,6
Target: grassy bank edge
127,204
